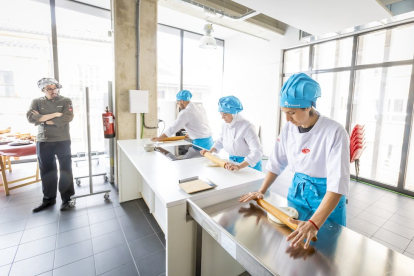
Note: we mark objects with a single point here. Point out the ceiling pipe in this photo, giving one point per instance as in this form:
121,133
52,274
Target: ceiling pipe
219,13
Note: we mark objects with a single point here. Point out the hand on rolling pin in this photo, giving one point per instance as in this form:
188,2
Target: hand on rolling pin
232,167
212,150
251,196
306,230
155,139
187,136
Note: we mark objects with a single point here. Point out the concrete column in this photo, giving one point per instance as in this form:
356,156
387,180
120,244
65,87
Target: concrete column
125,53
148,60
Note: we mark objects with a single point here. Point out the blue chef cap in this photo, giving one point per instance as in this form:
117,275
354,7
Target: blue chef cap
230,105
300,91
184,95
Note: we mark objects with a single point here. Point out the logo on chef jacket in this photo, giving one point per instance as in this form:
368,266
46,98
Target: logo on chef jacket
305,150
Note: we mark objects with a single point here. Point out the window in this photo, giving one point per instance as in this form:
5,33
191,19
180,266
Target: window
296,60
6,84
333,54
25,58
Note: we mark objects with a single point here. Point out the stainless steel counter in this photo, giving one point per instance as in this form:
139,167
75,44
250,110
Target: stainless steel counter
261,247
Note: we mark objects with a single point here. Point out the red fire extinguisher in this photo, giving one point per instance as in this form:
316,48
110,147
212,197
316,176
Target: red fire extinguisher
108,123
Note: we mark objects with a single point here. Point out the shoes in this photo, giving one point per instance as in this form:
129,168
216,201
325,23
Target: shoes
65,206
46,203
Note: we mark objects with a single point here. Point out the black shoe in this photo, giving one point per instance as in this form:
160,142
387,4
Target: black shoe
65,206
46,203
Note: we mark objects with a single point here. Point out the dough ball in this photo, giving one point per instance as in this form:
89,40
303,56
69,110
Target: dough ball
210,163
291,212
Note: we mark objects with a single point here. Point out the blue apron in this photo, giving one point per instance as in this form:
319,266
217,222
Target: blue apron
307,192
205,143
240,159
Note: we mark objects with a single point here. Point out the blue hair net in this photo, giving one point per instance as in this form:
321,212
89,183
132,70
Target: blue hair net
184,95
300,91
230,104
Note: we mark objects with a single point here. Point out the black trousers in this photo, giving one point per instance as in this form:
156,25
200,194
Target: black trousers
46,152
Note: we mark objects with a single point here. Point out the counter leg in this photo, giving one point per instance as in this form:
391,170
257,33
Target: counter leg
3,174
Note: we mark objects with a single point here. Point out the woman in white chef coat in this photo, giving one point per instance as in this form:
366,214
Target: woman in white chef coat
238,137
316,148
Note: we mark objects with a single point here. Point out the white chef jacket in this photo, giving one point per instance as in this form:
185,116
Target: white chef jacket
323,152
194,120
240,139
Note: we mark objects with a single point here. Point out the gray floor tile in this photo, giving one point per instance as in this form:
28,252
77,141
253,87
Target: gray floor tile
152,265
10,240
99,206
108,241
35,248
41,220
379,212
138,231
11,227
145,246
132,218
49,273
125,270
354,211
391,238
111,259
363,226
385,206
359,231
73,253
73,223
104,227
4,270
142,205
39,232
410,248
74,212
365,198
399,229
405,213
349,218
371,218
161,236
409,223
33,266
390,246
73,236
357,203
102,216
127,207
409,255
84,267
154,224
22,201
7,255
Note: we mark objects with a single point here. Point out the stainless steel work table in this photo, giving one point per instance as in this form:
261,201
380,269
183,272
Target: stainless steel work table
260,246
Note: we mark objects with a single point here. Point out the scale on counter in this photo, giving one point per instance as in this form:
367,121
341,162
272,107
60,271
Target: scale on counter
175,153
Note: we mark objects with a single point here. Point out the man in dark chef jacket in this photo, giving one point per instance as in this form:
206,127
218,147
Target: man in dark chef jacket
52,113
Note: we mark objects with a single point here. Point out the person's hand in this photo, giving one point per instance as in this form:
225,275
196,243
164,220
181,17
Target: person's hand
232,167
49,123
34,112
187,136
250,196
155,139
209,151
306,230
58,114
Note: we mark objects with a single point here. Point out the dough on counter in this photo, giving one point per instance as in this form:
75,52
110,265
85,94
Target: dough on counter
210,163
291,212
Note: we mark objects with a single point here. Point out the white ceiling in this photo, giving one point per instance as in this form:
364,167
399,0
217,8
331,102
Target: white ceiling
190,23
106,4
320,17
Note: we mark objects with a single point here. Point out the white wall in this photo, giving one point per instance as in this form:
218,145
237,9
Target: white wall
252,72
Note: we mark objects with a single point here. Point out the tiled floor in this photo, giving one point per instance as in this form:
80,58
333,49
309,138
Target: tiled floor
97,237
100,237
383,216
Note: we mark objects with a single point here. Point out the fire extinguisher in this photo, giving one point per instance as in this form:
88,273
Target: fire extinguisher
108,120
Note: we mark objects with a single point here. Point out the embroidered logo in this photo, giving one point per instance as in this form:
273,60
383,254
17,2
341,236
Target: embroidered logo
305,150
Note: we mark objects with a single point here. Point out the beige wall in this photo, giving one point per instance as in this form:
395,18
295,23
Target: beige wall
125,52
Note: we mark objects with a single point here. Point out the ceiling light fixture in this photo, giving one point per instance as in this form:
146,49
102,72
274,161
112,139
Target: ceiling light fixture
207,41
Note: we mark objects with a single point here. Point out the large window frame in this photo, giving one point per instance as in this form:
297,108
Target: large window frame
353,68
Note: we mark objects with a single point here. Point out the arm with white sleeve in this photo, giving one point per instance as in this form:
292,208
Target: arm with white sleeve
179,123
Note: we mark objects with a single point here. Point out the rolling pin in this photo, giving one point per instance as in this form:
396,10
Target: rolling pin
215,159
279,214
174,138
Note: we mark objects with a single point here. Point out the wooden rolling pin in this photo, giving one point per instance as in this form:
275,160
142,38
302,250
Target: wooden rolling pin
279,214
174,138
215,159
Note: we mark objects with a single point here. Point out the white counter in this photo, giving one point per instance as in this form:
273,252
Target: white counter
154,177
